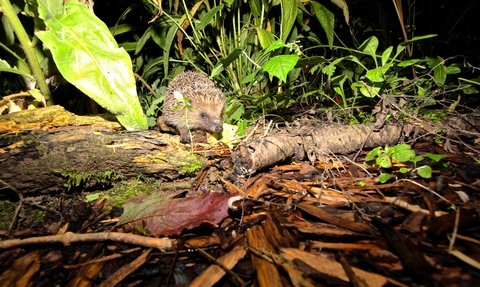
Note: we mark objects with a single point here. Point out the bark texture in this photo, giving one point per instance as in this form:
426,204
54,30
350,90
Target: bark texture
40,151
252,156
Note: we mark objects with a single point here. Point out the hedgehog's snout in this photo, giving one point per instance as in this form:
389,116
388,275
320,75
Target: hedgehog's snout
218,129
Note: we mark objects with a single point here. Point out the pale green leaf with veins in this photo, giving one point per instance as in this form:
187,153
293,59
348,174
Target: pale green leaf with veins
88,57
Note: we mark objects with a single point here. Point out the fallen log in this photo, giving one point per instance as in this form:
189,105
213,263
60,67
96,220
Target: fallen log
43,150
250,157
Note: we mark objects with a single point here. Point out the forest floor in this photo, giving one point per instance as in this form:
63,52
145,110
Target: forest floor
327,222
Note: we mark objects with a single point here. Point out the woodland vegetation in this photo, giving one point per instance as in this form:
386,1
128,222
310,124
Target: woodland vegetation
371,105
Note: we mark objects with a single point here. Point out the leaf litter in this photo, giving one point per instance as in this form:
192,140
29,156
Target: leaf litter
326,223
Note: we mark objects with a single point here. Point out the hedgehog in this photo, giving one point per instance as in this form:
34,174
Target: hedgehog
205,108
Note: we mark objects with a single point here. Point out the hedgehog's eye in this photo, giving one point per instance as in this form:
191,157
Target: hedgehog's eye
203,115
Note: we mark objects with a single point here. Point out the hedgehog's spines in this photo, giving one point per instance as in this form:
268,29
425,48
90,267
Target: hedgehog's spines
205,110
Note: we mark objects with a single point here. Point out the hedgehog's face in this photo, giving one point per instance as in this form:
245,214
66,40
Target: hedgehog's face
209,107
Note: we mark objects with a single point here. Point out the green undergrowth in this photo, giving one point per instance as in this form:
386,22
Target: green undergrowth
392,160
79,178
29,215
7,211
126,189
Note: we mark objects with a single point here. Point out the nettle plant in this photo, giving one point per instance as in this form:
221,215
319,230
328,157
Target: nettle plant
394,159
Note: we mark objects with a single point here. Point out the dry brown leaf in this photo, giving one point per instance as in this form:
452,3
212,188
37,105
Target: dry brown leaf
212,274
22,270
334,269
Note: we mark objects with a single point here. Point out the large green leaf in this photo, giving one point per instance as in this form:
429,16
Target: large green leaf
326,19
370,47
280,66
265,37
289,14
439,69
87,56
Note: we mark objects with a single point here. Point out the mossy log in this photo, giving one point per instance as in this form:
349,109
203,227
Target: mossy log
43,150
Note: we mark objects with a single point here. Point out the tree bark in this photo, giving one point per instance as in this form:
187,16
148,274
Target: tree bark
252,156
40,148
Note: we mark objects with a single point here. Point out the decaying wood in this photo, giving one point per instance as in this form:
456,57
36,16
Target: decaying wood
39,148
252,156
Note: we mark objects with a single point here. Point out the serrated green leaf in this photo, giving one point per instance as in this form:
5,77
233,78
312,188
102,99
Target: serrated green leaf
87,56
280,66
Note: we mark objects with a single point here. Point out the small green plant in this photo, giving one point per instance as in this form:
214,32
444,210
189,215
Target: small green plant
76,178
401,153
184,105
191,167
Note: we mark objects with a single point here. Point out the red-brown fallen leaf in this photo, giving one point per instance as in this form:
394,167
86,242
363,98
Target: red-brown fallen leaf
159,216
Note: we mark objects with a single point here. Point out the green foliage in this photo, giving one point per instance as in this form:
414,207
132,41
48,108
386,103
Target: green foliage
77,179
33,71
126,189
269,56
247,47
84,52
192,166
402,153
87,56
7,212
